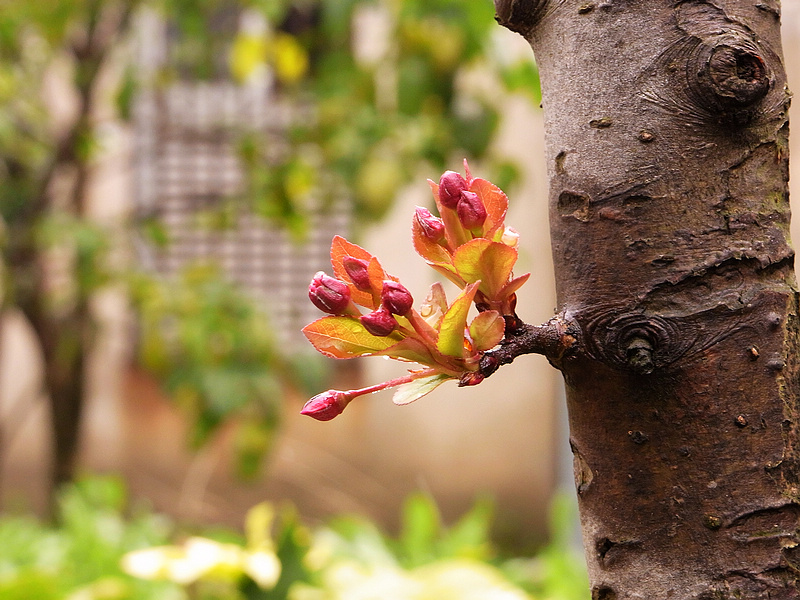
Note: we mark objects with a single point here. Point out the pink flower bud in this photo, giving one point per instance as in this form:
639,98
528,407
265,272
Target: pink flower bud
471,211
432,227
451,185
356,269
396,298
379,322
329,294
327,405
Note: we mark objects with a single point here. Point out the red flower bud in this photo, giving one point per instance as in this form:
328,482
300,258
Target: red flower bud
356,269
329,294
379,322
451,185
396,298
325,406
432,227
471,211
471,378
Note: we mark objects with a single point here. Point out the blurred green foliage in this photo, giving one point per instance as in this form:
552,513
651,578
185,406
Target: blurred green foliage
213,349
382,95
79,559
101,539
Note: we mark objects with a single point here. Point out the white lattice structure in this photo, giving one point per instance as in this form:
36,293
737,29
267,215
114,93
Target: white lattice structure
186,135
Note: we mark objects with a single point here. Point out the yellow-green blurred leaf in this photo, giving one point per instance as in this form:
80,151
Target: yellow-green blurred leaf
248,53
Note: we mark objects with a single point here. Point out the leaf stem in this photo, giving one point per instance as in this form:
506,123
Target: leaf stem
426,333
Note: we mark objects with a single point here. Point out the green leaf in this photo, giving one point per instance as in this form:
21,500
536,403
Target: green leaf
470,537
451,330
420,529
411,350
489,262
487,329
345,337
258,524
410,392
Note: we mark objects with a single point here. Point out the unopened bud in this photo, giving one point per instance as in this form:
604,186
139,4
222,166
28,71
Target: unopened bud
510,237
357,271
379,322
396,298
451,184
471,211
432,227
327,405
329,294
471,378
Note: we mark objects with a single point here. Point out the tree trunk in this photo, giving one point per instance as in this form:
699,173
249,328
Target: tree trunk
666,125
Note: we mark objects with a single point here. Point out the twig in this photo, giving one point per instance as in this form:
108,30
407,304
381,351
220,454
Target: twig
554,339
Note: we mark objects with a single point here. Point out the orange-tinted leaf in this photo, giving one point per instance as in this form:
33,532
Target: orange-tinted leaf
487,261
513,285
341,248
376,278
487,329
435,190
454,322
427,248
345,337
409,392
496,203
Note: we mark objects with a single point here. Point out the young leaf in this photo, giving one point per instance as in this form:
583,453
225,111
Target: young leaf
434,306
411,350
340,249
513,285
496,203
487,329
345,337
409,392
428,249
451,330
376,278
450,272
487,261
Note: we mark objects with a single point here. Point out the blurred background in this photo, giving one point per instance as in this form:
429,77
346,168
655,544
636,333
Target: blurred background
172,174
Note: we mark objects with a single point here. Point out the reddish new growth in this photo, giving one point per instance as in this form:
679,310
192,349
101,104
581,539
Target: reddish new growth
469,244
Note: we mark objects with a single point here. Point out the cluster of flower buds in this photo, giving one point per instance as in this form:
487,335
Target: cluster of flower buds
470,241
333,296
470,244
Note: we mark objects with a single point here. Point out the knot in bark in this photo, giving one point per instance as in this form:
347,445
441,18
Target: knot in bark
729,77
636,342
737,76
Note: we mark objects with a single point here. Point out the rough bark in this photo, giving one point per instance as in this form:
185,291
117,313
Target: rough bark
666,140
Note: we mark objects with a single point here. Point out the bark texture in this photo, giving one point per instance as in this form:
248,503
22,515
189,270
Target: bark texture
666,134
